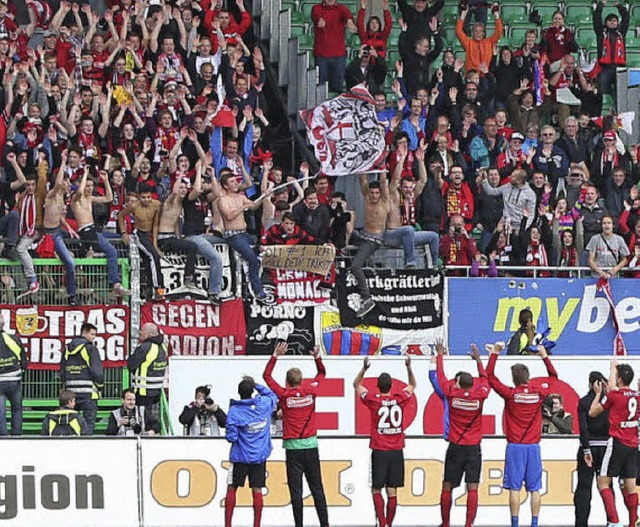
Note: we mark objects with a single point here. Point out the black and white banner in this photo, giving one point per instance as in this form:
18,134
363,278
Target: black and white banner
267,323
405,299
172,267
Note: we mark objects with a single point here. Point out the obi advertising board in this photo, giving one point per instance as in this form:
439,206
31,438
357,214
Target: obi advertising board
162,482
486,310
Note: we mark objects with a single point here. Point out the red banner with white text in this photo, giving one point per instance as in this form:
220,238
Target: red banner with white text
46,330
199,328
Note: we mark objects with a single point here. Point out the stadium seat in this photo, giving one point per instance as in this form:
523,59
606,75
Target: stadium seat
306,8
289,4
305,42
633,58
515,18
507,12
546,12
608,104
586,38
516,36
633,43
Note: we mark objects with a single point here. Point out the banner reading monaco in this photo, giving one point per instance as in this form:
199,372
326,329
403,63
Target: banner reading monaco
579,315
46,330
199,328
346,134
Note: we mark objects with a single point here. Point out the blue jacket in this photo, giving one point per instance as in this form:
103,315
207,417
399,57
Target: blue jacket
248,427
433,378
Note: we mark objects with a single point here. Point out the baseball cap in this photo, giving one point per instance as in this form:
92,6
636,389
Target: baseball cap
49,33
609,134
517,135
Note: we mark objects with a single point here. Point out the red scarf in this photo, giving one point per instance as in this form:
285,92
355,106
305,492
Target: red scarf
537,257
28,215
604,159
616,54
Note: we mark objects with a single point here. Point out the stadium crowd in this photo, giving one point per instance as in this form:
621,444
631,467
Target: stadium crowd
147,121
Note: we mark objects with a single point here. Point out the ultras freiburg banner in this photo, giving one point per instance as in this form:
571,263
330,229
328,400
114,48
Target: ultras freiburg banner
46,330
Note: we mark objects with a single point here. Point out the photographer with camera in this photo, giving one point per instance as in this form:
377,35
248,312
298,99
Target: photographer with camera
457,247
555,420
130,420
203,417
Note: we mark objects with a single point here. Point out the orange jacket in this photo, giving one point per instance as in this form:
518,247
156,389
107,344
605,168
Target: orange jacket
478,52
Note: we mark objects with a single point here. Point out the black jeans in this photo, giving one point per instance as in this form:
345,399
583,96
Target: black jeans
11,391
306,461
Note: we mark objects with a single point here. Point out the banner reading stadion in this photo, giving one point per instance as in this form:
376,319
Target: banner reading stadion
486,310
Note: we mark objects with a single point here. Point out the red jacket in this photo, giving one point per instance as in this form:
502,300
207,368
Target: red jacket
557,42
329,41
298,404
376,39
457,251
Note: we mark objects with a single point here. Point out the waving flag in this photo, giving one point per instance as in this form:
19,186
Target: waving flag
346,134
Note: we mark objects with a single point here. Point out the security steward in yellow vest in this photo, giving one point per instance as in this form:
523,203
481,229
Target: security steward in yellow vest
147,366
13,361
81,370
65,421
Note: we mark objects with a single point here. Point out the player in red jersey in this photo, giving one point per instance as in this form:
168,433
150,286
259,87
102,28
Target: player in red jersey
387,438
620,457
465,398
299,433
523,428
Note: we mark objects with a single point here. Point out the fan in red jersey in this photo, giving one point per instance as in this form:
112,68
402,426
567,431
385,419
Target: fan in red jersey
523,428
387,438
465,397
299,432
622,447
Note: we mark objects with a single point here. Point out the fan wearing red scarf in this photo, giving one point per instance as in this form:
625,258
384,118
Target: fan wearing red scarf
30,206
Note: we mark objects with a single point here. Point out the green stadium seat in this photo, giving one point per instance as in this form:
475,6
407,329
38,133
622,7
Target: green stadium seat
517,34
306,8
289,4
298,19
508,12
305,42
632,43
353,40
297,31
517,19
546,12
633,58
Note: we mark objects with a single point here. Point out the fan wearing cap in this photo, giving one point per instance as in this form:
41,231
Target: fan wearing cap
610,38
512,158
607,158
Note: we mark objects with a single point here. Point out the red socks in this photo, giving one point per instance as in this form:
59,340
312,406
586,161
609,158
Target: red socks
378,504
229,505
391,509
472,506
445,507
257,508
610,505
631,501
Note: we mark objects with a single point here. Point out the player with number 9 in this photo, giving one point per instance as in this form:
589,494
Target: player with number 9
387,437
620,456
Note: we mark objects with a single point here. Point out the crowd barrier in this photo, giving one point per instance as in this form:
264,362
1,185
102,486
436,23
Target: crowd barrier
159,482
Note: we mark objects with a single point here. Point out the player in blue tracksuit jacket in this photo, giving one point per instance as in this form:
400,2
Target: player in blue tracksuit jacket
249,432
433,378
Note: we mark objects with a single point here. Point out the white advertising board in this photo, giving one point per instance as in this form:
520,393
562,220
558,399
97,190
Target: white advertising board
341,414
184,483
66,482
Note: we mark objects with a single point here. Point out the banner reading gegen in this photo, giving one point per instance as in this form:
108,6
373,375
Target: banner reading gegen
199,328
46,330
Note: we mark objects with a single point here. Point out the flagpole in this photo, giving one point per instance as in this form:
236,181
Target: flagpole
369,173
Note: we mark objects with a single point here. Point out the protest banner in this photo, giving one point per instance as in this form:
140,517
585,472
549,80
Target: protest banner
316,259
46,330
199,328
300,288
405,299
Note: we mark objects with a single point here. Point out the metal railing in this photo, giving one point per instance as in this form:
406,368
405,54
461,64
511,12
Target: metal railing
522,271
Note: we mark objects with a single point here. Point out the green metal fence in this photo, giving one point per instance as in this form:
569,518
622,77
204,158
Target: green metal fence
40,387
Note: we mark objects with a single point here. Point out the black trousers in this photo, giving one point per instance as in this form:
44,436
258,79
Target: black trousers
145,244
306,461
582,496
